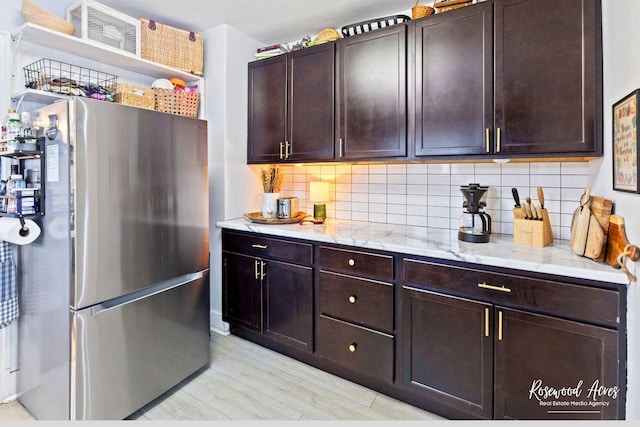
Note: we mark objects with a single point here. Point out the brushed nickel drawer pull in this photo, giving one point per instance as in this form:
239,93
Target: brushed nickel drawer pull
257,272
281,145
286,150
352,347
351,262
500,326
341,148
498,140
258,246
352,299
493,288
262,273
486,140
486,322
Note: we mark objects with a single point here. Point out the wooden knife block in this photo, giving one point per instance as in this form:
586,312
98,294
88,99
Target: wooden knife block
533,232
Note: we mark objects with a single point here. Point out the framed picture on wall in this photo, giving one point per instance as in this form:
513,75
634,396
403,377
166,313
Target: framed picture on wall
625,143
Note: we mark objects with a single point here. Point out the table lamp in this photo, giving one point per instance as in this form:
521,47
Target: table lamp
319,193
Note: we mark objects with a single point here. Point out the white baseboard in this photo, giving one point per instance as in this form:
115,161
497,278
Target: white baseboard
217,324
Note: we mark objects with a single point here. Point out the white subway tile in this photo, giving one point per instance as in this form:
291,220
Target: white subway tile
378,217
396,169
377,179
359,188
574,181
360,197
378,188
377,198
343,197
360,216
396,219
420,221
377,207
377,169
396,189
515,169
359,207
439,169
574,168
545,168
397,209
397,179
417,168
417,199
398,199
360,169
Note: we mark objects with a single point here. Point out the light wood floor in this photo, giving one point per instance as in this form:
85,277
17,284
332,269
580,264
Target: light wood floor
249,382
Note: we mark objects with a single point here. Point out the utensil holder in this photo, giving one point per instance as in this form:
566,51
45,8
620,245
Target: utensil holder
533,232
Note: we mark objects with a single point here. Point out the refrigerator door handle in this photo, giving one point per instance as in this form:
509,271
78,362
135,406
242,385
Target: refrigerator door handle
144,293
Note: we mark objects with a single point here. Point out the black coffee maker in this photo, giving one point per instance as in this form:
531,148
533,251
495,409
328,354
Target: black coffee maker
475,225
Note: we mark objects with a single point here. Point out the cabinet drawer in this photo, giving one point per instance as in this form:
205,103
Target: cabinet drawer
356,348
356,262
575,301
262,246
363,301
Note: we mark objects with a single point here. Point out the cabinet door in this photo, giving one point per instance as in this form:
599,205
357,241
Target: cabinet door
310,127
548,76
535,353
448,351
242,291
453,81
372,93
288,315
267,109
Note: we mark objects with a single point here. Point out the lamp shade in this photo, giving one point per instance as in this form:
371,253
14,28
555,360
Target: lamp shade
318,191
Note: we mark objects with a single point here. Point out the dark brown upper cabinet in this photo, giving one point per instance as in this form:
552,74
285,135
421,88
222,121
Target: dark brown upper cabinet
291,107
452,82
508,78
372,92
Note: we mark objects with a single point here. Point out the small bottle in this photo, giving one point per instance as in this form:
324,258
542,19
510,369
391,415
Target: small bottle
13,129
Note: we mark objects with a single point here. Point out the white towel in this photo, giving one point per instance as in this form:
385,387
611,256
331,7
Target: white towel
8,286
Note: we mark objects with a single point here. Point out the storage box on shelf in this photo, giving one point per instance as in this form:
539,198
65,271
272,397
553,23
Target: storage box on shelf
59,77
102,24
136,96
173,47
177,102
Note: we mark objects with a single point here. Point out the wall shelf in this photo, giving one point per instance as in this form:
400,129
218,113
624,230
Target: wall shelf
98,52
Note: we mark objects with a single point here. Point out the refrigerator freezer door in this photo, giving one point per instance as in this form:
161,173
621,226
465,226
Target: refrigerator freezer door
129,354
141,199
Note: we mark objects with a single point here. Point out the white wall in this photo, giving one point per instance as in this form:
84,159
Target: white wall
227,52
621,74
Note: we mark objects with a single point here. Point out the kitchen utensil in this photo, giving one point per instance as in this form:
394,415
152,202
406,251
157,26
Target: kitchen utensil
287,207
527,208
259,219
596,239
268,204
517,211
617,242
580,223
601,210
475,225
540,196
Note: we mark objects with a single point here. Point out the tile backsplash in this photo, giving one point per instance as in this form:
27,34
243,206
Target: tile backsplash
425,194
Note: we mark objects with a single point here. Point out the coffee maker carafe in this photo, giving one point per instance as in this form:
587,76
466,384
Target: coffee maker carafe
475,225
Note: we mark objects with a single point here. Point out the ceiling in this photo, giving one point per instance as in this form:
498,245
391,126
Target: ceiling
273,21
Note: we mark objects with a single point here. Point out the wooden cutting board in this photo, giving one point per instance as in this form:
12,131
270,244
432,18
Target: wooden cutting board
617,242
598,228
580,224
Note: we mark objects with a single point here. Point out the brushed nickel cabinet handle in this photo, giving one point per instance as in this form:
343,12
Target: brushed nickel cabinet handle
493,288
486,322
351,262
259,246
498,140
500,326
352,299
262,273
257,273
281,146
352,347
286,150
341,148
486,140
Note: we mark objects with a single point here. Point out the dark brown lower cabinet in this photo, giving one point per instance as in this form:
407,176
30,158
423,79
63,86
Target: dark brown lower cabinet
489,361
550,368
448,356
268,296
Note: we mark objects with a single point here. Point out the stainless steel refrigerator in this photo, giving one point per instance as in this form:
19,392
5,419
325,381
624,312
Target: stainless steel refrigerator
115,292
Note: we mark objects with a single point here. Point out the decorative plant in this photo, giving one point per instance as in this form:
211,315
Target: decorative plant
272,179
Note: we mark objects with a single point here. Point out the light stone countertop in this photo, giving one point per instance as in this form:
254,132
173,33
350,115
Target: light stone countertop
500,251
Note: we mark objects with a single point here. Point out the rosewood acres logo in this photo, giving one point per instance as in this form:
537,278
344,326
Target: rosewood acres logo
573,399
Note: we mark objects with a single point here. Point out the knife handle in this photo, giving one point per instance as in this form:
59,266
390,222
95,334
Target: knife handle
541,197
516,196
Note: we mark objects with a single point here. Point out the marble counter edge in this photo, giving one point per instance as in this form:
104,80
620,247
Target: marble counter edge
556,259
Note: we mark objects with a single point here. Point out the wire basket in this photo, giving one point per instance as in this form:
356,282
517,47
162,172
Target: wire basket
177,102
374,24
67,79
135,96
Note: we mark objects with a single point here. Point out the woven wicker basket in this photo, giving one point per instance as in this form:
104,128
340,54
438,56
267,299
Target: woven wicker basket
443,6
175,48
177,102
136,96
